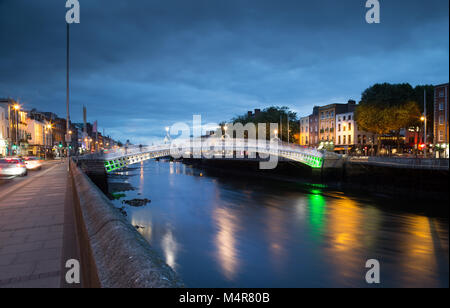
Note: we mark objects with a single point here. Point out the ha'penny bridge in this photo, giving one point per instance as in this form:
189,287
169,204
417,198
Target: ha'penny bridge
239,150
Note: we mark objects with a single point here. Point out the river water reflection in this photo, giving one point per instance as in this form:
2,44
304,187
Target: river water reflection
228,231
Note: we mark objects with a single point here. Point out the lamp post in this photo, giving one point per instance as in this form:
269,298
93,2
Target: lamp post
423,119
16,120
68,136
48,128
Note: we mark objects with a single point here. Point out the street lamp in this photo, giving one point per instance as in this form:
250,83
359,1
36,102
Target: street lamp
48,128
16,108
423,119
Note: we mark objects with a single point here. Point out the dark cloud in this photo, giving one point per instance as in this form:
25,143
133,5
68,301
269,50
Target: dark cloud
142,65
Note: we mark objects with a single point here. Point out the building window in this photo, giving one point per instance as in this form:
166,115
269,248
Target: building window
441,106
345,140
339,127
441,120
349,139
339,139
349,126
345,118
349,117
441,136
441,93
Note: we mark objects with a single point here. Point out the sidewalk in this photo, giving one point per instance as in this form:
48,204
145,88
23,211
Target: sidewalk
31,230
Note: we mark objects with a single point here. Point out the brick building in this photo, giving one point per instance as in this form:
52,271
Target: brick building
441,114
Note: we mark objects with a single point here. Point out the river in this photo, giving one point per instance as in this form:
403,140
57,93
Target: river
219,230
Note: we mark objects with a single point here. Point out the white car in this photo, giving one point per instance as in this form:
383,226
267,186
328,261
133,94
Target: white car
10,167
32,163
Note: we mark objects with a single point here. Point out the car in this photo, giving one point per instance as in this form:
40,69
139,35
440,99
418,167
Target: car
33,163
11,167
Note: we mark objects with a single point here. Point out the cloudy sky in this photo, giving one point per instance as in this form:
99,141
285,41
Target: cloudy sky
139,66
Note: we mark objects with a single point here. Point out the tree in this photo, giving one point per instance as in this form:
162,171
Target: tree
278,115
388,95
387,108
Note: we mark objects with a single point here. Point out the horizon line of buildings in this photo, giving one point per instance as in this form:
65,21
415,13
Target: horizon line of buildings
43,134
335,125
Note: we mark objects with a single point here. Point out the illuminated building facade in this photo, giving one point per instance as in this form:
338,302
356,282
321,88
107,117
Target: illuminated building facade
304,131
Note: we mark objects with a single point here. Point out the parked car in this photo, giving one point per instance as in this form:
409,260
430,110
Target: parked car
12,167
33,163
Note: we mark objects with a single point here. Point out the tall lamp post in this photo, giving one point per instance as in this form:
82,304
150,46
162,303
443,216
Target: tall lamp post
68,132
425,141
423,119
16,118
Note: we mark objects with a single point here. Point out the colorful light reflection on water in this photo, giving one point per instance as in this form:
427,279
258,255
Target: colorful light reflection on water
223,231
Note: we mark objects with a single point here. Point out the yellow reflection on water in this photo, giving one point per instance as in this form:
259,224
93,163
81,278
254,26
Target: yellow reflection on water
141,179
351,232
226,241
419,257
170,248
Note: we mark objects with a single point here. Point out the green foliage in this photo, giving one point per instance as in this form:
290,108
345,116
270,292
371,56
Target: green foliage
388,95
274,115
385,108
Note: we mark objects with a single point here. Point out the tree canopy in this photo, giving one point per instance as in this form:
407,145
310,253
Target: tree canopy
387,108
274,114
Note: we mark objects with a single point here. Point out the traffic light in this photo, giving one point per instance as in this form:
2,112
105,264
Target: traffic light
60,145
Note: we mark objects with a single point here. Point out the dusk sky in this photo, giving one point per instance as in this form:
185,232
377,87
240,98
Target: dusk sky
139,66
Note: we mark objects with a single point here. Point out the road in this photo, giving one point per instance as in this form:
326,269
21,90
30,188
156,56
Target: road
32,222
